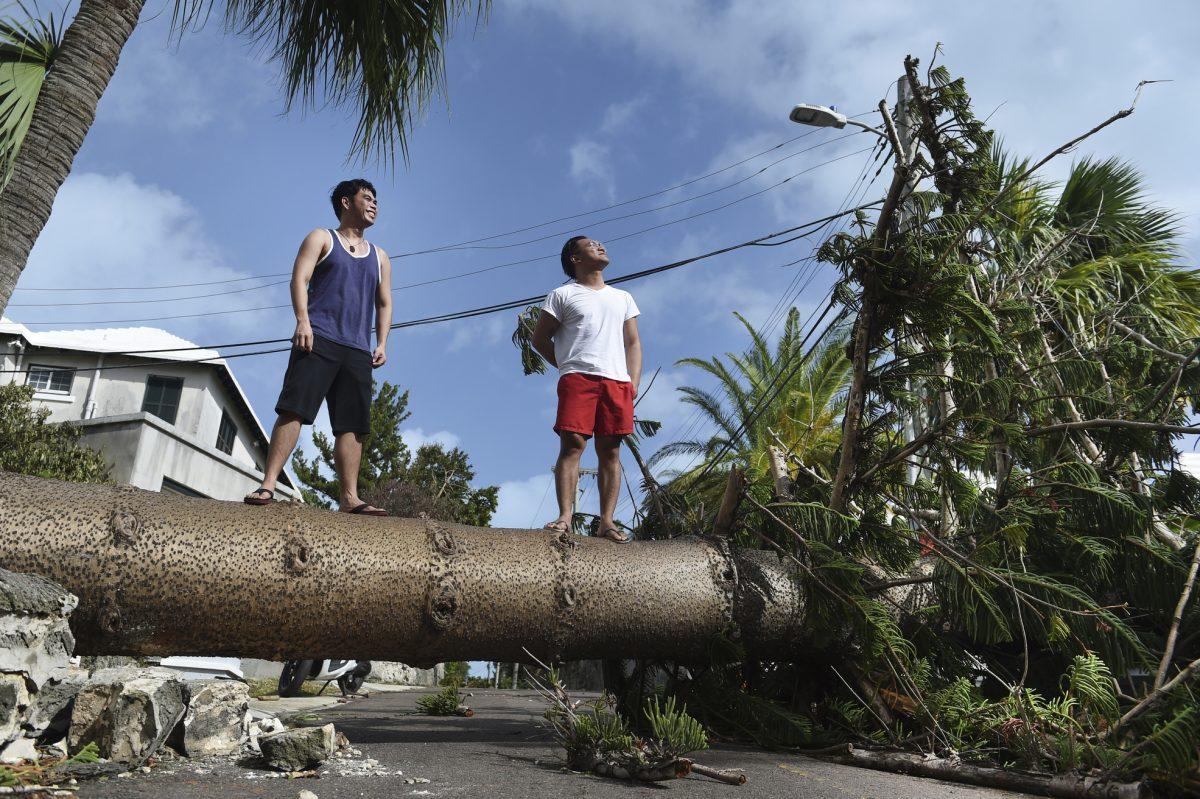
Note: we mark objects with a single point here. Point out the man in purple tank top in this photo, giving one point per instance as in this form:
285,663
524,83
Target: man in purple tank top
341,287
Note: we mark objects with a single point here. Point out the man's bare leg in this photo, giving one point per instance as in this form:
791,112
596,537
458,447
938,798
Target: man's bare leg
347,455
284,436
566,477
608,450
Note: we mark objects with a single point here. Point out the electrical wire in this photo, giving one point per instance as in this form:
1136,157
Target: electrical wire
456,245
464,314
430,282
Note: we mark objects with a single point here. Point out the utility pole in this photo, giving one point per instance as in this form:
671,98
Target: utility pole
914,424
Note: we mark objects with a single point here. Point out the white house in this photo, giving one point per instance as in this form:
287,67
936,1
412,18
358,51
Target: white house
164,421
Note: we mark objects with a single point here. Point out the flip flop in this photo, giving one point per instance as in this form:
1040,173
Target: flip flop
557,526
366,509
623,537
255,498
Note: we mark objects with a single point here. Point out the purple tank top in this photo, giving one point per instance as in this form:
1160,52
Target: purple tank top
341,296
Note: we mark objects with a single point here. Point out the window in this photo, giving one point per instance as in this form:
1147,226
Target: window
226,434
55,379
176,487
162,397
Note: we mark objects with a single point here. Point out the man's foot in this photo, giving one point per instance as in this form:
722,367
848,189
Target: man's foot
558,526
614,534
364,509
259,496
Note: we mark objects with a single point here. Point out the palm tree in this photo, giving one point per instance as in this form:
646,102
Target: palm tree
380,58
764,397
28,48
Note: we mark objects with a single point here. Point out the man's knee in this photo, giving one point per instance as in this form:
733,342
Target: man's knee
572,444
284,418
608,448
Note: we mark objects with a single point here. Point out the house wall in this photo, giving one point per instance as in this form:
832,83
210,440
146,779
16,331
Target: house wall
142,449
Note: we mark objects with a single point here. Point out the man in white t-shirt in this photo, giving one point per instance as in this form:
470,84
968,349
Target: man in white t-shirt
589,331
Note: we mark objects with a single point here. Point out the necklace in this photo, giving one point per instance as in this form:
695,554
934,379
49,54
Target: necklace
349,246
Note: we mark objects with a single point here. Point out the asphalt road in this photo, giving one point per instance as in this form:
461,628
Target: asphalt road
500,753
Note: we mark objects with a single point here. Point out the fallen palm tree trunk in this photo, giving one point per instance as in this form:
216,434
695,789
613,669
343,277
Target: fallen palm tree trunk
160,574
1068,786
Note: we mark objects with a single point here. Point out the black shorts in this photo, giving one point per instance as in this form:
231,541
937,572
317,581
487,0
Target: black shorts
333,372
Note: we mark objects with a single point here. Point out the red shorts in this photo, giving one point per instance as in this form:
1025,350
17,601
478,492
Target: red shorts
594,405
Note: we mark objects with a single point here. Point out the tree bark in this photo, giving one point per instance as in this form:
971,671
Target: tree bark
65,110
160,574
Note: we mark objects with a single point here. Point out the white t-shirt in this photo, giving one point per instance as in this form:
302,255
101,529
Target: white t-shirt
591,338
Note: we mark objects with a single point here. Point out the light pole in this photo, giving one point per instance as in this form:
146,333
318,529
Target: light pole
820,116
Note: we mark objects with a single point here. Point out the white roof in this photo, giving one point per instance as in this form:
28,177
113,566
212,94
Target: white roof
129,341
115,339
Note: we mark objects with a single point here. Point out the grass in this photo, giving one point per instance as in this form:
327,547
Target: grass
261,688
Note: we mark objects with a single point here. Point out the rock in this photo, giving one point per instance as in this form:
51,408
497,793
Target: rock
298,750
34,637
127,712
216,720
14,704
18,750
50,717
306,795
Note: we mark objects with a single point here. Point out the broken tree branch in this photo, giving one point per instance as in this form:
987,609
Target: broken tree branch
1128,424
728,776
1067,786
729,502
1169,649
1153,698
1146,342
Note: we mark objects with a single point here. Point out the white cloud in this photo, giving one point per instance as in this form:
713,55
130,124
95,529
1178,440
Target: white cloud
416,437
618,115
591,168
1054,85
159,81
523,503
662,402
482,332
112,230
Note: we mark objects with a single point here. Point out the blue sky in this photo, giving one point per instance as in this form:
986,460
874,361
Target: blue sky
192,173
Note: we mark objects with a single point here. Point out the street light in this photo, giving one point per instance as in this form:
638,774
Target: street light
820,116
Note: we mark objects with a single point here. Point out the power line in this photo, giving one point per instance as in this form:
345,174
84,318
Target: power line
462,244
455,315
695,419
419,284
471,273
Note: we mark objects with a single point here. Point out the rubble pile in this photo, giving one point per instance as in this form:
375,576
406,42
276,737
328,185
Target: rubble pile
62,723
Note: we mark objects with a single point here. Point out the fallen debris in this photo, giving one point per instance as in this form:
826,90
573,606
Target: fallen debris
127,712
298,750
217,718
35,650
598,740
1067,786
447,702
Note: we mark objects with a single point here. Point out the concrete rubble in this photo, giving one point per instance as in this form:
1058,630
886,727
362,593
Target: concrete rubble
35,651
217,719
127,712
137,717
298,750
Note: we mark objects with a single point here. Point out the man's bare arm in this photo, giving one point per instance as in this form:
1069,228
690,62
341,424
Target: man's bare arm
383,309
543,336
314,246
633,353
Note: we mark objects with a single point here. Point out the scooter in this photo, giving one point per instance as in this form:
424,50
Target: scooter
349,675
